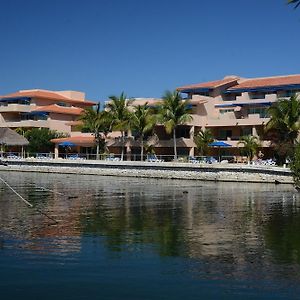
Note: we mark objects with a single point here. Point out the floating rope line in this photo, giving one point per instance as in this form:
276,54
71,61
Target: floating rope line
28,203
48,190
54,192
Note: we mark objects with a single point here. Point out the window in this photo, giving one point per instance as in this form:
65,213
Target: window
225,133
261,111
34,116
246,131
224,111
230,97
286,94
183,131
257,95
203,93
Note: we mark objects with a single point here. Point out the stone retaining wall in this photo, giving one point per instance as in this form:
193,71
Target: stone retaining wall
228,172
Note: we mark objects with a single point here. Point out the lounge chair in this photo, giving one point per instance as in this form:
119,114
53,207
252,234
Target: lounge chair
111,157
193,160
13,156
210,160
153,158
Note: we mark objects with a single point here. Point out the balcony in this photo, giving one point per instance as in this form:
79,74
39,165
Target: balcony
25,123
249,120
15,108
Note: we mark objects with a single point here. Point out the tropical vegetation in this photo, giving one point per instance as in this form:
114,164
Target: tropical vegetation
284,126
250,145
295,165
172,112
202,139
39,139
295,2
97,122
142,122
119,113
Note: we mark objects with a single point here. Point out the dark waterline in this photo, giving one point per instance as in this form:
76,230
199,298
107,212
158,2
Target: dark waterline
120,238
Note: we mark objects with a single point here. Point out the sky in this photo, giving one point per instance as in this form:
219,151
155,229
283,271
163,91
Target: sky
143,47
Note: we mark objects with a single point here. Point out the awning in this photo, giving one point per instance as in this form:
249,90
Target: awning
37,113
15,99
244,104
67,144
219,144
263,88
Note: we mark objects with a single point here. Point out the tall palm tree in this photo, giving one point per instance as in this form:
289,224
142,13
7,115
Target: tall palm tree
118,109
97,122
142,122
250,144
202,139
172,112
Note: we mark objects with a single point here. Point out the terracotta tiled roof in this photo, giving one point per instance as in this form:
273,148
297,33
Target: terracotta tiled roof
77,140
47,95
209,85
267,82
60,109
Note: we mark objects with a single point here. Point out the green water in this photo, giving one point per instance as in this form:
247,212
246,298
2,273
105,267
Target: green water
119,238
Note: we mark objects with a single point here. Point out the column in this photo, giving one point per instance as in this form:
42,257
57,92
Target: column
56,151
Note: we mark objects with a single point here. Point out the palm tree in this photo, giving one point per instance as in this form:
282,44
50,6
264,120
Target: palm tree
285,118
250,144
296,2
284,125
172,112
118,109
202,139
97,122
142,122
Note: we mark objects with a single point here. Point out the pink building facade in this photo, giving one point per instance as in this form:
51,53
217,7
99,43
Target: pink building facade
37,108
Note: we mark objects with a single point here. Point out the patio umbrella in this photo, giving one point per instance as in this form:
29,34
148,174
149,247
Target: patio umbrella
220,145
67,144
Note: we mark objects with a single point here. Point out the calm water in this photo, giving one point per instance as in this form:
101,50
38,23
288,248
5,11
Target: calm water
119,238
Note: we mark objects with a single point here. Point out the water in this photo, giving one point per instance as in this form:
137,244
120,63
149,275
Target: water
120,238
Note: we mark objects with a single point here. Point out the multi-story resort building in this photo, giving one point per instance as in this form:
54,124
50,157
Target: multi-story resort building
55,110
231,108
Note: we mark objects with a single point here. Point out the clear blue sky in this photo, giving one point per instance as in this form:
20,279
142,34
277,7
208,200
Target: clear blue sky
143,47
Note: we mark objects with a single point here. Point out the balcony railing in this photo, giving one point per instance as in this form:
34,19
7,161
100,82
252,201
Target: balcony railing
26,123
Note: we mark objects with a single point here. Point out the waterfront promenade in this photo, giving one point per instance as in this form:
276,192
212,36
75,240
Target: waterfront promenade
168,170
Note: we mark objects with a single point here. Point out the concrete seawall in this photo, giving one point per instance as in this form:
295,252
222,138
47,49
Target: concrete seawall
171,170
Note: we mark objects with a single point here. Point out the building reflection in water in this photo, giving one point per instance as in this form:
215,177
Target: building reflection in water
236,227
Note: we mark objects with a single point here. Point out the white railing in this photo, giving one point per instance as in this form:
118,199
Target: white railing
13,156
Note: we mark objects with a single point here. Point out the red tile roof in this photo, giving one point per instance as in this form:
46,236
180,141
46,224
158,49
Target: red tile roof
267,82
210,84
47,95
60,109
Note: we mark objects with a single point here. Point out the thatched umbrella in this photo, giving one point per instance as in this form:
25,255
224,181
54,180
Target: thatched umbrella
9,137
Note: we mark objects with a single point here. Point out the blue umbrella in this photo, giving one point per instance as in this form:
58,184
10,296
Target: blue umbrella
67,144
220,145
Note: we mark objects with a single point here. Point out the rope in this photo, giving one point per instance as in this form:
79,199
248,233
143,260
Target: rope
28,203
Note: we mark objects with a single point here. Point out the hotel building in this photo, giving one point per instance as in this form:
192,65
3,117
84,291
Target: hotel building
56,110
231,107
